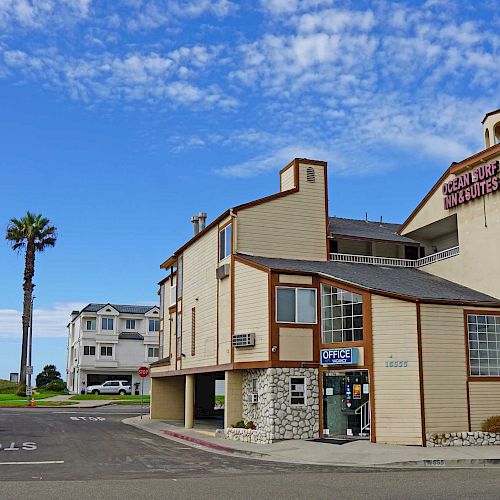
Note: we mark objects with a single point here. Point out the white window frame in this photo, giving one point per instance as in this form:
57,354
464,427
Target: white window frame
106,347
130,327
296,322
157,349
290,391
90,320
107,318
149,325
230,250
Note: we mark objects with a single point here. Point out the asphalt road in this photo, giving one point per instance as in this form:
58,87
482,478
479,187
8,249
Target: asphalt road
67,452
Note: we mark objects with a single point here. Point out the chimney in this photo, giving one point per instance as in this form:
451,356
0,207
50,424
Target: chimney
196,224
202,216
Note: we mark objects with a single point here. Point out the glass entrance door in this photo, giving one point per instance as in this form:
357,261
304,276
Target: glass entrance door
346,404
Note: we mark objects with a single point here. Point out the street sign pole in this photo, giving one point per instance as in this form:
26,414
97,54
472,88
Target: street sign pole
29,390
143,372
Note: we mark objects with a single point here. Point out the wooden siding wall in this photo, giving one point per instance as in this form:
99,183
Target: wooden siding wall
292,226
251,311
200,291
444,368
484,402
287,180
397,390
296,344
225,320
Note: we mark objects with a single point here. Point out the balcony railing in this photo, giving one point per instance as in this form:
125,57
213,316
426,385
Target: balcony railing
393,262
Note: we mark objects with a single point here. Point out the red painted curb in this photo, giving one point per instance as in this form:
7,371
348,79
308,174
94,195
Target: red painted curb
199,441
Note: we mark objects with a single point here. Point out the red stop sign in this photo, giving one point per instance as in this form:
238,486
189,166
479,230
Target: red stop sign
143,371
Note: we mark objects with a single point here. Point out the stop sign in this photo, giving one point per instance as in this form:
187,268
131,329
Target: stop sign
143,371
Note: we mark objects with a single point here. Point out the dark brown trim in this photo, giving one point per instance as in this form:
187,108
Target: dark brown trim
467,368
327,217
489,114
339,345
296,285
483,155
172,308
368,360
270,310
275,327
421,375
484,378
317,326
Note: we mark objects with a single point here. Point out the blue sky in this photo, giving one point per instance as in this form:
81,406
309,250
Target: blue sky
119,120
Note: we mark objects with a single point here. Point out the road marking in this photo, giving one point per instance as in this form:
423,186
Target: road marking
85,419
109,413
33,463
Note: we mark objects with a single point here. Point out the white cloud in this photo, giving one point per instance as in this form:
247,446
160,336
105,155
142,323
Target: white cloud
38,14
47,322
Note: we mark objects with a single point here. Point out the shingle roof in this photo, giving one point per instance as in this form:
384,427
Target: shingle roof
120,308
395,280
367,229
130,336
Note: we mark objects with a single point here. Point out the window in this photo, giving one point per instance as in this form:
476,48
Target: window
341,315
193,331
255,385
130,324
154,325
295,305
107,323
178,333
153,352
297,391
225,242
106,351
90,324
89,350
484,344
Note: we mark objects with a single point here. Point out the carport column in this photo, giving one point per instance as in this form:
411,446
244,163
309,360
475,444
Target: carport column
189,402
233,408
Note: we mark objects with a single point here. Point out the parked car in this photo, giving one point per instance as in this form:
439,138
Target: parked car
111,387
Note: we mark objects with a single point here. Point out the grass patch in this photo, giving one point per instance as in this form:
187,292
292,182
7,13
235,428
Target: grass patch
219,399
14,397
115,397
7,387
13,402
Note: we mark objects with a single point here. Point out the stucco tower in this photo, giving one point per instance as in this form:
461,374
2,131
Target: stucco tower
491,128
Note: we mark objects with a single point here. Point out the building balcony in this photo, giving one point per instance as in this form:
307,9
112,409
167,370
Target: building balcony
394,262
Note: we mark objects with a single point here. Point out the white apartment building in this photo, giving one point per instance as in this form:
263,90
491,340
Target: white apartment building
110,342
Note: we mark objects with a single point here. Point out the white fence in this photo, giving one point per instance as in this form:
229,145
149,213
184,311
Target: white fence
390,261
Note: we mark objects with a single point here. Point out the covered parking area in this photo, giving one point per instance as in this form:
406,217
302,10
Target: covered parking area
205,400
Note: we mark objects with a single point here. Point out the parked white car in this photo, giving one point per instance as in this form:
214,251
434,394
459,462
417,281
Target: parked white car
111,387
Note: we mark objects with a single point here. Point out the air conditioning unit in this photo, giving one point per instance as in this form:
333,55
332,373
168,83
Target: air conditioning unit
253,398
222,271
244,340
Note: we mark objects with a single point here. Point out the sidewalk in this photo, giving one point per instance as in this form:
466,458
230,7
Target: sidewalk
80,404
352,454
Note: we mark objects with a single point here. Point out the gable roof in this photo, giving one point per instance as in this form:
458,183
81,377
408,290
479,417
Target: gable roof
126,309
355,228
400,281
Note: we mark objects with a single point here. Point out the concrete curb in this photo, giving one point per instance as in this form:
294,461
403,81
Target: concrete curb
210,447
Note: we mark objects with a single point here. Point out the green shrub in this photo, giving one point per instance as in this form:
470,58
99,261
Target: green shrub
7,387
491,424
21,390
239,425
54,386
249,425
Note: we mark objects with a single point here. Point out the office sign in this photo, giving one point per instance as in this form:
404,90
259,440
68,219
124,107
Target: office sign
471,185
341,356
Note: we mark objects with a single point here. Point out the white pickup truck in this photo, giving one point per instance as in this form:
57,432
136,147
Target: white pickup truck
111,387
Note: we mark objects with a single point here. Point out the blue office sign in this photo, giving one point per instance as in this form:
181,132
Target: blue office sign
341,356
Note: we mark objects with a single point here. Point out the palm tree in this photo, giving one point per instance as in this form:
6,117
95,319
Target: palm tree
33,233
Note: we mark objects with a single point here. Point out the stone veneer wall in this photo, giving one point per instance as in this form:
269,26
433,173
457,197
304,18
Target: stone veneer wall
476,438
273,416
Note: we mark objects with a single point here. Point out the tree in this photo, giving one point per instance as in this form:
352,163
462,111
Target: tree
48,374
33,233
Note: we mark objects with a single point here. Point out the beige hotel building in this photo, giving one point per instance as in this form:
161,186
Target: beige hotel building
322,327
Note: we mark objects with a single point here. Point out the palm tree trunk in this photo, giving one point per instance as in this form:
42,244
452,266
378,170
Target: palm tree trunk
29,272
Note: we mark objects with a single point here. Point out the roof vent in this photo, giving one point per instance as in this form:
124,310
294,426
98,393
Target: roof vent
310,175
